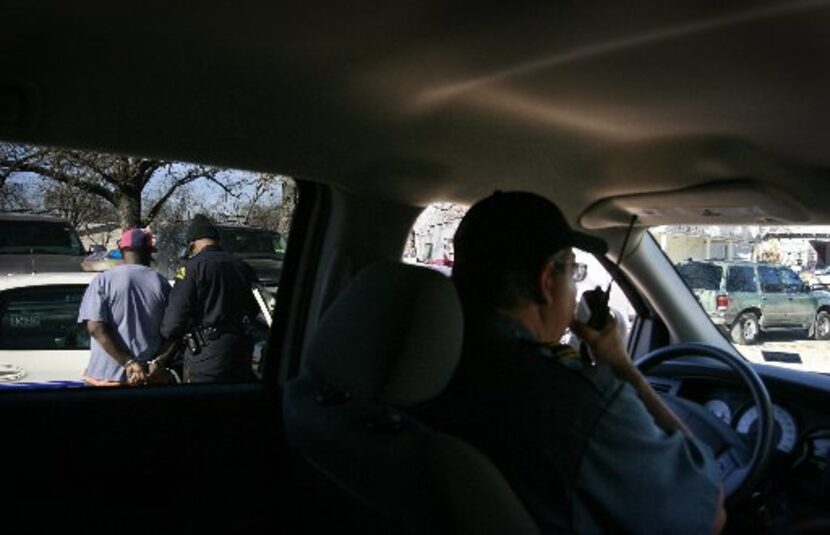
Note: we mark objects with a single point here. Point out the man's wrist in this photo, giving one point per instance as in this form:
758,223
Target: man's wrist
627,371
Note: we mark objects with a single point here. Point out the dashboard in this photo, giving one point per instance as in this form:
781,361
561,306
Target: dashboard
797,484
798,429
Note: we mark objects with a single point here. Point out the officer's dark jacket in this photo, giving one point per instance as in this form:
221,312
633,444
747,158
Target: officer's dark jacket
575,443
213,289
505,398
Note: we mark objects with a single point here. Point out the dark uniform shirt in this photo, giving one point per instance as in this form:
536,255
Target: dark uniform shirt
576,444
213,289
213,293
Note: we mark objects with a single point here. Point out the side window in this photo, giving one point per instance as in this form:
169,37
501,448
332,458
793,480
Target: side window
431,244
597,275
741,279
52,221
792,282
770,280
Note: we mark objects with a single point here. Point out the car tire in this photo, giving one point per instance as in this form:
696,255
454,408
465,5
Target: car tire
821,330
745,330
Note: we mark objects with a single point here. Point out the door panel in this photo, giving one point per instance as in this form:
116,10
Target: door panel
201,458
802,306
776,303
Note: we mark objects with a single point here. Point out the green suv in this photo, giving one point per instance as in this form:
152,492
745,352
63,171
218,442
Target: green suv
745,298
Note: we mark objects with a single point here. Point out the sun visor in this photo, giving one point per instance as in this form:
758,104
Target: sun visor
723,203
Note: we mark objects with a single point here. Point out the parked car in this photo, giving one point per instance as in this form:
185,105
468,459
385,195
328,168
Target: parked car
38,244
42,345
262,249
821,278
746,298
102,260
41,342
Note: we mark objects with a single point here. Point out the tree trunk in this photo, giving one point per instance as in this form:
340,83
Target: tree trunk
286,209
129,210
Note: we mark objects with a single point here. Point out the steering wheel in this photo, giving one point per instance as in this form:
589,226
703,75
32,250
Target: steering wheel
741,463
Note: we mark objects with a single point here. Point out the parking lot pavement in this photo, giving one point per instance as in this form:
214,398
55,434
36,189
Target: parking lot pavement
814,354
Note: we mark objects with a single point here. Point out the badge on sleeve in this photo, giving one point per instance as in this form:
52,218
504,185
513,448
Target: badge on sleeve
180,273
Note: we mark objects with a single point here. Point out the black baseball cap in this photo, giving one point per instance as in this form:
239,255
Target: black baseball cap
515,229
201,227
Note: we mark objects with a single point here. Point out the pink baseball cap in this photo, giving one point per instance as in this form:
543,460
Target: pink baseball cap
136,238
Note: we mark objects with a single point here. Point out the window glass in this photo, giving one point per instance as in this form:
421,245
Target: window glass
431,244
791,281
701,275
780,315
741,279
38,236
770,279
42,318
62,213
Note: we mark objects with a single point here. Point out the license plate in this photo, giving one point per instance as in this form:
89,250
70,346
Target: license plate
24,321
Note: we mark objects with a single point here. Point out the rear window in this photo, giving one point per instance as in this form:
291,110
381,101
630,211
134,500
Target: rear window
701,276
741,279
42,318
38,237
253,243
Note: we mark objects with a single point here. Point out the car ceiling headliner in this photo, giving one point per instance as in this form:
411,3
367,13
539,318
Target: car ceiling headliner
422,101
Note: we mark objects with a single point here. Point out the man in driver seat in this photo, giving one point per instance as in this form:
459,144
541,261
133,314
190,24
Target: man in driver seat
588,448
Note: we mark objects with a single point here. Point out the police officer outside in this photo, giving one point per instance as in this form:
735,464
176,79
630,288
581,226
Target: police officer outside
210,308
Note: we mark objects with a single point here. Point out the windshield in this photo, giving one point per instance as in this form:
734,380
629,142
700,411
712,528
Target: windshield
765,287
251,243
39,237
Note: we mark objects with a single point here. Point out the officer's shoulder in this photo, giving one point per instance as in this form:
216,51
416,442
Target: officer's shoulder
186,266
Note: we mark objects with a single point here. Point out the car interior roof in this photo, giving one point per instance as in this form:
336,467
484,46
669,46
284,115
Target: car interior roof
422,101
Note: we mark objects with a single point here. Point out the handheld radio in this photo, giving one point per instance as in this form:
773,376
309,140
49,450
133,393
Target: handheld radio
592,309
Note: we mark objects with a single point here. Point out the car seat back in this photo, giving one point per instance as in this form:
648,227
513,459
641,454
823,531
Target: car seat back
388,343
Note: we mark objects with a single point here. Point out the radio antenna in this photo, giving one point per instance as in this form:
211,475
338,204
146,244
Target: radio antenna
622,249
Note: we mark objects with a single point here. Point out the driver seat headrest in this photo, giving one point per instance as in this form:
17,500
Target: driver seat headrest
393,336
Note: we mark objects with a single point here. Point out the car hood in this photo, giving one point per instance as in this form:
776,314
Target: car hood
26,368
43,263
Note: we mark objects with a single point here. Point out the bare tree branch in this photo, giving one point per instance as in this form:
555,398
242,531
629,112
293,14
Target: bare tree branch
192,175
119,180
46,172
146,169
223,186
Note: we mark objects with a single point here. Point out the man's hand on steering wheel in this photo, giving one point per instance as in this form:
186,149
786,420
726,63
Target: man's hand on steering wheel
741,465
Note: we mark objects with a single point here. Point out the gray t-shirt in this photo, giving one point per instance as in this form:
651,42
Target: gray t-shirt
130,299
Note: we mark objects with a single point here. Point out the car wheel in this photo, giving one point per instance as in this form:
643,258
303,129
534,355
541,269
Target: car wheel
821,330
745,329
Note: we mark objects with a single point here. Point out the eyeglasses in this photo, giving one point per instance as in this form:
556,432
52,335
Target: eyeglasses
578,272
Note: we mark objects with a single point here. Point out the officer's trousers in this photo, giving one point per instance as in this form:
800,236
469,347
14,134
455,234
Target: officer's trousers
227,359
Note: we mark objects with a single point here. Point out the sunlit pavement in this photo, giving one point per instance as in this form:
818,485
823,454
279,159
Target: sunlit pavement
814,354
